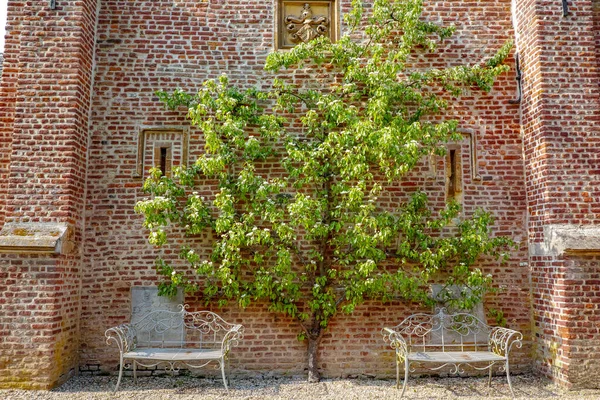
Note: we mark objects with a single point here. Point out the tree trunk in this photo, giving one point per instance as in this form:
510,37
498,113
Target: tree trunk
313,359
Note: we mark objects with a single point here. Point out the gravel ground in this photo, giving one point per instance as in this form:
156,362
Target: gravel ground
186,387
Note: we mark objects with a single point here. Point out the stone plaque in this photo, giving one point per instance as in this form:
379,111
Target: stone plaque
453,337
301,21
145,299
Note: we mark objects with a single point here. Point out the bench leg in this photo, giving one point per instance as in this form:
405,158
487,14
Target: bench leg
223,374
406,369
397,372
120,374
508,379
490,376
228,371
134,372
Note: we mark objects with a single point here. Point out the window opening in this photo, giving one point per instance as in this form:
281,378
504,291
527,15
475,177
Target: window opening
161,148
452,178
454,175
163,159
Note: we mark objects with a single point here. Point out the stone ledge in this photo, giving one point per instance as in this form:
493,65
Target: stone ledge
568,239
36,238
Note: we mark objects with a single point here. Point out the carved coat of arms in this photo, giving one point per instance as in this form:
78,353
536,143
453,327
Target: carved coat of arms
306,27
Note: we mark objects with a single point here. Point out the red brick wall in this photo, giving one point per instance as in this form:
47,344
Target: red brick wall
39,317
8,85
49,132
148,45
45,98
142,46
560,135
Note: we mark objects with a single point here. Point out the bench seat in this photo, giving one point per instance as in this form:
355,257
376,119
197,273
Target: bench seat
173,354
455,356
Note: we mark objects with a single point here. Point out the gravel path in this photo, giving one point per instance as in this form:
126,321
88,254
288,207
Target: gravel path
186,387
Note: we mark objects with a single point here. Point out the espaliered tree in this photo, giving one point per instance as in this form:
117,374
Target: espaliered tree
312,240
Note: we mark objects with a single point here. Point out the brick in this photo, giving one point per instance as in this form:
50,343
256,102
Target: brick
78,86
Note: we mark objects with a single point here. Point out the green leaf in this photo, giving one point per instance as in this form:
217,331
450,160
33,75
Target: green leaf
295,199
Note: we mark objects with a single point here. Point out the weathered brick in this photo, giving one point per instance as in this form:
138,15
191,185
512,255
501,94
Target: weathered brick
559,112
78,86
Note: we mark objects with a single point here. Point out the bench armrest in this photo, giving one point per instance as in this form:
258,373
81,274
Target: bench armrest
123,335
396,342
501,340
232,338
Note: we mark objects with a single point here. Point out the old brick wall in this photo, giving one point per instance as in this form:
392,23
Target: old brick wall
560,135
47,84
39,317
148,45
548,200
8,84
44,106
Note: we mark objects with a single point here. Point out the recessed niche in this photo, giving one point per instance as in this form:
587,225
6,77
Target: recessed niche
163,148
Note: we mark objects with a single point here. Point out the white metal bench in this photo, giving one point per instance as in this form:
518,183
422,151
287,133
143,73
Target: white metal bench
450,340
173,338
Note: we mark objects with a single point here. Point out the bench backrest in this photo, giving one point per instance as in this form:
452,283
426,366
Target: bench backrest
444,332
162,328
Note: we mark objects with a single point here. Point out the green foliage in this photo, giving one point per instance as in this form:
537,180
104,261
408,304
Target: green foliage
313,240
498,316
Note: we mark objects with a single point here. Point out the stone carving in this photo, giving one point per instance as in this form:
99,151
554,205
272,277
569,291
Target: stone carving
306,27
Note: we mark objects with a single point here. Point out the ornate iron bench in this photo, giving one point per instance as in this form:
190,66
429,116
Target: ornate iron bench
451,340
173,338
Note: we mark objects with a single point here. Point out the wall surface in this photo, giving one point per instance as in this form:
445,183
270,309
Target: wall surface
44,106
80,120
148,45
561,138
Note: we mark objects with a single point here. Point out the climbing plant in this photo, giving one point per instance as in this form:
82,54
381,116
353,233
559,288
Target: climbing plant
311,239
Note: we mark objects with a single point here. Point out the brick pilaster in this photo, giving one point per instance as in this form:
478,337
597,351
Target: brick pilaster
560,113
45,96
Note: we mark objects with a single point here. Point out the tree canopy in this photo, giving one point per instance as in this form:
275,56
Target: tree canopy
311,238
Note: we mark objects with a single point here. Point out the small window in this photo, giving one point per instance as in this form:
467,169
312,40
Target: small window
301,21
163,159
162,148
454,174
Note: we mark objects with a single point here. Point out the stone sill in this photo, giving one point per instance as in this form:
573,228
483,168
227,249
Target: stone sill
36,238
568,239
